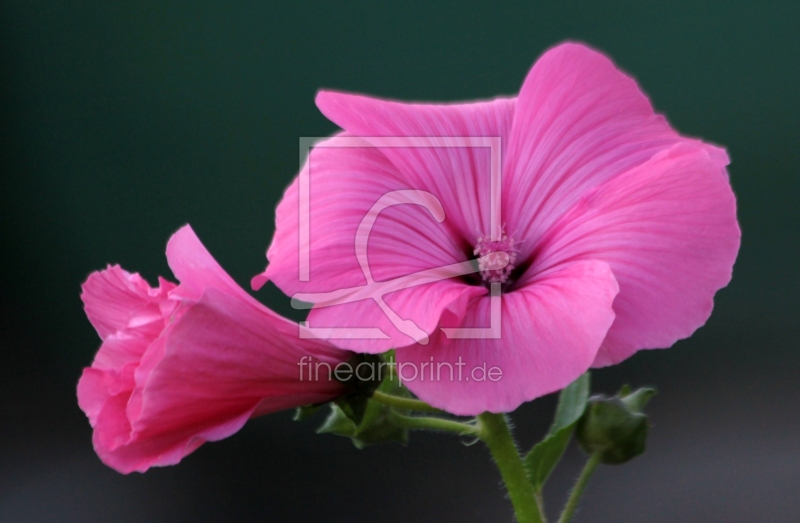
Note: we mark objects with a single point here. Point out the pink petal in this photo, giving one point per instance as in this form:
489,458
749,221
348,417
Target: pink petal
115,300
93,393
197,270
458,176
668,230
223,358
123,348
424,306
157,392
579,122
345,184
119,450
551,330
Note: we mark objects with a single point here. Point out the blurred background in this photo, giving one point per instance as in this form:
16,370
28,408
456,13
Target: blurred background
121,121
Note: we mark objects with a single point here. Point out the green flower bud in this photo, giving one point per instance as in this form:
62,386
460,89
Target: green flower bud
615,427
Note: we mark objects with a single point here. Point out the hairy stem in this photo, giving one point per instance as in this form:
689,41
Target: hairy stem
580,486
402,403
427,423
495,432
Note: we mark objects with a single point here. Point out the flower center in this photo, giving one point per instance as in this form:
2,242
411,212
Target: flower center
496,258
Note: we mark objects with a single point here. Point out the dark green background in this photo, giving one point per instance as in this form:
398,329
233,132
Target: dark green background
121,121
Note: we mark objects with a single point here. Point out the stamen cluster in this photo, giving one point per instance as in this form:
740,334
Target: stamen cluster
496,258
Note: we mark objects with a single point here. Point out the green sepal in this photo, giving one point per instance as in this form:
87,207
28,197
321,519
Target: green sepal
338,423
353,405
306,411
636,401
364,421
615,427
546,454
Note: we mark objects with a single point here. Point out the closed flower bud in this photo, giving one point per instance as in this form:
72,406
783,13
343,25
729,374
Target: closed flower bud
615,427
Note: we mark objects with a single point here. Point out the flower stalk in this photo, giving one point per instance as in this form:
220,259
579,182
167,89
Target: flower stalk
402,403
580,486
437,424
495,432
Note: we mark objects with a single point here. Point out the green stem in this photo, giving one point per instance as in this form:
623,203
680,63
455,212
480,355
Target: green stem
426,423
580,486
494,431
540,504
402,403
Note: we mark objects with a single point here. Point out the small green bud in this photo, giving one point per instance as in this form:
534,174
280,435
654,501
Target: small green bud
615,427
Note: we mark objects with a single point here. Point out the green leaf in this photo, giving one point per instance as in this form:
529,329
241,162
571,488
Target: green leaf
546,454
571,403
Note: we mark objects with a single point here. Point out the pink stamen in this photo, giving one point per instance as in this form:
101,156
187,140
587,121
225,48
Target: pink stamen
497,258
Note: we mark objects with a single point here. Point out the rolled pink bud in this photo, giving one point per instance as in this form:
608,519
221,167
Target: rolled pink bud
184,364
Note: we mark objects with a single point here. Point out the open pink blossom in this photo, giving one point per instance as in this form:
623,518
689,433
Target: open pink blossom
184,364
618,230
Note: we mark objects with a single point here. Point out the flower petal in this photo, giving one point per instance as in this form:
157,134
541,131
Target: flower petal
419,309
116,448
551,330
579,122
346,184
93,392
115,299
458,176
197,270
221,360
668,230
224,356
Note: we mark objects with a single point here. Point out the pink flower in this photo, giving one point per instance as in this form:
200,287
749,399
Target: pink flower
619,231
184,364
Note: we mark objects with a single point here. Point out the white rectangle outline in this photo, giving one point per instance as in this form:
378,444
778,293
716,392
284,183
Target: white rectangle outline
304,227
